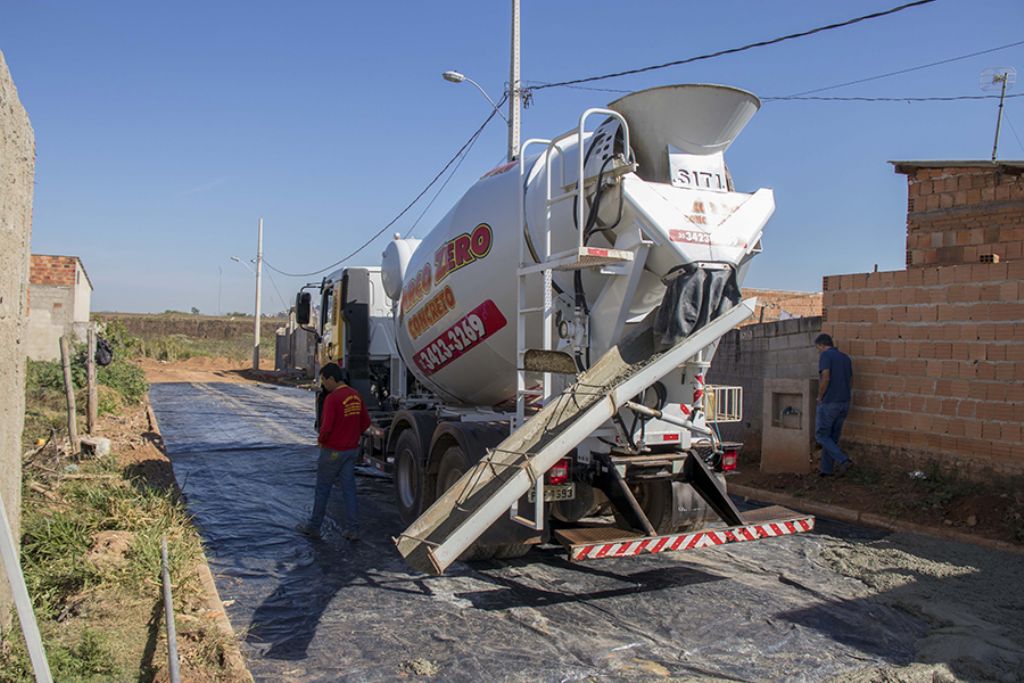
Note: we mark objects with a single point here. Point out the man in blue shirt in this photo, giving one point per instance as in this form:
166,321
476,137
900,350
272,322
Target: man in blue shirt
835,371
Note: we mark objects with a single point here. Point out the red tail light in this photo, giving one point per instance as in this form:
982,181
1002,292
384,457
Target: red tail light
729,459
559,472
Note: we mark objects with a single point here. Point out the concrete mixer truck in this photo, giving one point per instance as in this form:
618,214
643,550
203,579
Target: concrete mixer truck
538,360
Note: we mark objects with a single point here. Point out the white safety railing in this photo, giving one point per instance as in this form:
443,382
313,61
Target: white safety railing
723,404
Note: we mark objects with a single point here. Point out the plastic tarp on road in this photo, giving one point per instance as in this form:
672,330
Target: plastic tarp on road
794,608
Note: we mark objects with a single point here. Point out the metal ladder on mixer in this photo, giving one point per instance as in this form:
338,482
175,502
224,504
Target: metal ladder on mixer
578,258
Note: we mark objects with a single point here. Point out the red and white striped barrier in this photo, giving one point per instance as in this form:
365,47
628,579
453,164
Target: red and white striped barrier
691,541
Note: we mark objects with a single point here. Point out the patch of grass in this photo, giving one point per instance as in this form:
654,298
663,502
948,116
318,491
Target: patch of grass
941,487
120,383
60,521
89,658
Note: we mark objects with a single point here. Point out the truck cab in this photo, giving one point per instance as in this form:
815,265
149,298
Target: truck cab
355,330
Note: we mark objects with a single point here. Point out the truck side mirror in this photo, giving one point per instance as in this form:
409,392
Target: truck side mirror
303,304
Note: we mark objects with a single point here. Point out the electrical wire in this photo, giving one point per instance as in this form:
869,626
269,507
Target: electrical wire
276,290
907,70
408,206
799,95
1008,121
734,50
451,175
953,98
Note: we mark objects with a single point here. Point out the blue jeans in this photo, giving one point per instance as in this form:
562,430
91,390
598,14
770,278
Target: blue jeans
829,420
332,467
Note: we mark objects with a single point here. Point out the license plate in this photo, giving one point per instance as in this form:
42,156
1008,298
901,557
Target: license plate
554,493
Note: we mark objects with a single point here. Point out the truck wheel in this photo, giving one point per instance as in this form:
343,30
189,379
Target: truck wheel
670,506
585,504
655,498
511,551
408,477
455,463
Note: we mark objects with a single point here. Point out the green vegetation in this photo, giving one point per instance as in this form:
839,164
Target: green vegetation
83,588
91,538
121,383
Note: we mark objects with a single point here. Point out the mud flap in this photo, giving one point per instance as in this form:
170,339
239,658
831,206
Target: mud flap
704,483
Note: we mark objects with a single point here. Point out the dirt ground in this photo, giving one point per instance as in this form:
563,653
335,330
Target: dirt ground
206,650
932,498
207,369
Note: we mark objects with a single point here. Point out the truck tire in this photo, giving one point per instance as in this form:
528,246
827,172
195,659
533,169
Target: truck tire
409,477
511,551
455,463
655,499
670,506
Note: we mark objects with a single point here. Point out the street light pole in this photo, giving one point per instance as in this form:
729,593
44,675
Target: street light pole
259,284
514,93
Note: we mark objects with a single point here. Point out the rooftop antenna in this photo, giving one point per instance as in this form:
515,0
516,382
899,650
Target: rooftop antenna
998,78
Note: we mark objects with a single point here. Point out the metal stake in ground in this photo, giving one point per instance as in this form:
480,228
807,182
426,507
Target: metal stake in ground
69,390
172,635
90,373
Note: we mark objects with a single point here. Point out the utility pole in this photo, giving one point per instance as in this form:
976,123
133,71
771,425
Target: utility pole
259,283
999,117
514,94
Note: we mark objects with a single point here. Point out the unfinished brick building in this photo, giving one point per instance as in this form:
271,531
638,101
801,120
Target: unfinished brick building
939,347
60,294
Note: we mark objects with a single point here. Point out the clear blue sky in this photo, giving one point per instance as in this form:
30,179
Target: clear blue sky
164,130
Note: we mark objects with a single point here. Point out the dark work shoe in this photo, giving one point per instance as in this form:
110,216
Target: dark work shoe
309,531
352,536
824,474
845,467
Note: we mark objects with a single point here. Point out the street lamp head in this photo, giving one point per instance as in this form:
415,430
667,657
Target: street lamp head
235,258
453,77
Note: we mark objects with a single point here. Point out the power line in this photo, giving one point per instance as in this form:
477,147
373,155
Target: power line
951,98
408,206
276,290
447,180
908,70
734,50
576,87
1014,133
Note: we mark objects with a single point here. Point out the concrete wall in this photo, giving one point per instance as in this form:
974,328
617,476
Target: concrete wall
51,314
938,363
17,170
749,355
83,297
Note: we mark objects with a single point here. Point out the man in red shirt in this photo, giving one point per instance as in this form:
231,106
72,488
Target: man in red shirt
343,420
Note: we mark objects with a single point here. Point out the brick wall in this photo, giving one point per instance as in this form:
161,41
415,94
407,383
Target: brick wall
749,355
957,214
773,304
938,358
53,270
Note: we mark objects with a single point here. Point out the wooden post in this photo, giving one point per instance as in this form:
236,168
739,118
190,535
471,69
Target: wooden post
90,371
69,389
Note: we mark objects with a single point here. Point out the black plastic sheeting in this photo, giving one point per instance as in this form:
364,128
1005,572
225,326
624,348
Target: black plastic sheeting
332,610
